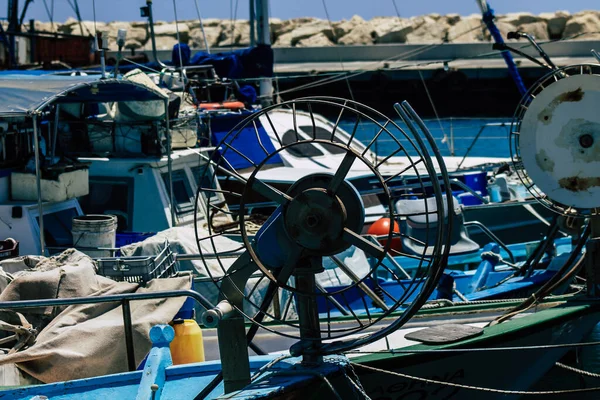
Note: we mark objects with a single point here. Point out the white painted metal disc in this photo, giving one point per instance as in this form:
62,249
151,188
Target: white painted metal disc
559,141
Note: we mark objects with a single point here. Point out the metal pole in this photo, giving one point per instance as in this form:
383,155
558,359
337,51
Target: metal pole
264,38
169,164
487,16
36,145
252,24
55,133
128,335
152,38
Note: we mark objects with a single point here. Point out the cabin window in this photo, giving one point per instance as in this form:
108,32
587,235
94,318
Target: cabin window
57,227
182,192
110,196
324,134
299,150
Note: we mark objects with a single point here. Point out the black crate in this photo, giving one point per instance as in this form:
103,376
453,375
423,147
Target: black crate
139,269
9,248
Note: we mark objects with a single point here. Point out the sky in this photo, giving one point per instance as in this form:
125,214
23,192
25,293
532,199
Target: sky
128,10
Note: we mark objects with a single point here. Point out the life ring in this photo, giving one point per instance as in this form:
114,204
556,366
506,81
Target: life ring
226,105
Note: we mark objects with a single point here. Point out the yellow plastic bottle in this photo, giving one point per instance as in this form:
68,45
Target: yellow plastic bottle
187,346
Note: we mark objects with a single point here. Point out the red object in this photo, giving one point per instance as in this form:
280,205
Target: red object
226,105
381,229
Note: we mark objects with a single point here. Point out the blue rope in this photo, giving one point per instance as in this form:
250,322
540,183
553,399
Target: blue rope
488,18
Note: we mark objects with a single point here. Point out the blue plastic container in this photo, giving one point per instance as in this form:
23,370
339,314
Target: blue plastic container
476,181
125,238
467,199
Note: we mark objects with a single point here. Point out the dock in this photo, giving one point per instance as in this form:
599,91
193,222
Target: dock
472,75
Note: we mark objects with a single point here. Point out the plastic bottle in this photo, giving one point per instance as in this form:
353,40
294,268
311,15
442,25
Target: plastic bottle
187,346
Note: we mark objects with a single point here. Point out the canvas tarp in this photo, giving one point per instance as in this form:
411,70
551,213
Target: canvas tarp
182,240
82,341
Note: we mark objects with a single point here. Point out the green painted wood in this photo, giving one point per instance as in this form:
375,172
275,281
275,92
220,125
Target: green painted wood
497,334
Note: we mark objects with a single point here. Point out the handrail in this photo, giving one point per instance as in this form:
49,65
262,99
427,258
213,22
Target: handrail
492,236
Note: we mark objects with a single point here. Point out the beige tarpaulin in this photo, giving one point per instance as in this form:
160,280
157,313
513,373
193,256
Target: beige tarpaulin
82,341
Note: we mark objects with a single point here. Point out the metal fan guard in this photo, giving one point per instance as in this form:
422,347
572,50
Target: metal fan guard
515,128
438,256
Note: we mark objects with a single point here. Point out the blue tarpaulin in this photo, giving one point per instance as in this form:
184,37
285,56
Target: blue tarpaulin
245,141
254,62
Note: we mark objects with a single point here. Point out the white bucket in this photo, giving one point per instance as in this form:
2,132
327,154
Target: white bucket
94,230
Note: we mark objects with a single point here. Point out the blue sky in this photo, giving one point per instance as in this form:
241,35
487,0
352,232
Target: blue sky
128,10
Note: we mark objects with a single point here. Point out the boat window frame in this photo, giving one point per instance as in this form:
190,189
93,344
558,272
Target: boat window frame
216,197
32,212
130,182
180,212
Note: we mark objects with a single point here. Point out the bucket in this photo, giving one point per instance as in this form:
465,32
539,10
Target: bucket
92,231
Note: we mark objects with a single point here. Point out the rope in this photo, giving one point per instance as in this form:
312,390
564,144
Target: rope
356,382
481,388
202,27
432,304
577,370
302,373
478,349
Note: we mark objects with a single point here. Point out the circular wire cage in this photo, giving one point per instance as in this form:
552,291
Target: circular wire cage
516,134
354,261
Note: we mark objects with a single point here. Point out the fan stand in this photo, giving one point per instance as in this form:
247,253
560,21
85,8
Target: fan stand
321,216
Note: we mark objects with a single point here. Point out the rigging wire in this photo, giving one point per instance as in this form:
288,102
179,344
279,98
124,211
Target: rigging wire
178,37
202,27
50,14
445,137
337,49
95,28
337,76
376,64
396,8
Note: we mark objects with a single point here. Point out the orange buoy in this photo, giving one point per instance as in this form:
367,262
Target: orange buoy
226,105
381,229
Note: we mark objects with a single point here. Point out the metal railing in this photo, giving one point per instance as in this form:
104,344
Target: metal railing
124,300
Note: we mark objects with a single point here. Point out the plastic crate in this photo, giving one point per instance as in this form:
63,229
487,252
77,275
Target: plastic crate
139,269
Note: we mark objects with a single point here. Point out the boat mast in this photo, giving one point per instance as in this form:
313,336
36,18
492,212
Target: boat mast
252,24
487,16
263,37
